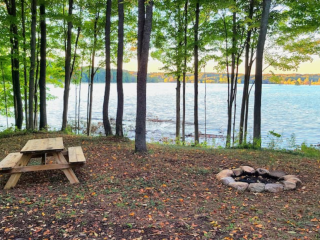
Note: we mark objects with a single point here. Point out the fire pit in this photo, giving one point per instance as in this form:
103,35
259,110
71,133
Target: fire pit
246,178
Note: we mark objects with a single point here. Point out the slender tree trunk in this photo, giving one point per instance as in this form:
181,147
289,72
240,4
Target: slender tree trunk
67,70
258,75
247,74
178,96
5,94
43,68
184,72
231,94
75,52
93,71
12,11
196,70
32,62
36,86
119,130
144,32
23,19
106,122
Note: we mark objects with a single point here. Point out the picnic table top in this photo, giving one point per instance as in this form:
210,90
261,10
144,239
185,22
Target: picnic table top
43,145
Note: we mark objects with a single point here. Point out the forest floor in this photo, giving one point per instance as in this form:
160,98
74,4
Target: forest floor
169,193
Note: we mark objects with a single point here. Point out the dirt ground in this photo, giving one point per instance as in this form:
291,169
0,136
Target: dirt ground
169,193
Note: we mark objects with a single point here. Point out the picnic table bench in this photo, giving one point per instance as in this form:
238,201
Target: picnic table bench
17,163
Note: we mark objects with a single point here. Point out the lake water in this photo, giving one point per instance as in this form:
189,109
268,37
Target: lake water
286,109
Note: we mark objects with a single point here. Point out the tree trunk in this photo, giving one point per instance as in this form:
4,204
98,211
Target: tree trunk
43,68
32,62
247,69
144,32
5,94
67,70
93,72
23,19
12,11
36,85
178,93
184,72
119,130
106,122
232,82
258,75
75,52
196,69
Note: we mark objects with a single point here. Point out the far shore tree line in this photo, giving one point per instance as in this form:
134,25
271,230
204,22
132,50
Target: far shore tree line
44,42
209,77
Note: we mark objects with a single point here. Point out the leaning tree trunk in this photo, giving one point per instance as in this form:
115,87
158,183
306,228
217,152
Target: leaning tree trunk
12,11
258,75
119,130
196,70
32,62
43,68
144,32
67,70
247,73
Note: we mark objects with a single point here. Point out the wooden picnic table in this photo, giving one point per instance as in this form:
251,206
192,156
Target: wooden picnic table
17,163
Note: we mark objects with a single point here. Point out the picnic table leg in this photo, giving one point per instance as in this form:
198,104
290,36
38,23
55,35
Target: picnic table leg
43,159
68,172
14,178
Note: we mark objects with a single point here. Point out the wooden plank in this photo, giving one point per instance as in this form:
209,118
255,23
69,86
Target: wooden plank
39,168
46,144
68,172
10,161
76,154
14,178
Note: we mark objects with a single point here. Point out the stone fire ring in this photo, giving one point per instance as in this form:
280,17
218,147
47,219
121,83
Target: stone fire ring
284,182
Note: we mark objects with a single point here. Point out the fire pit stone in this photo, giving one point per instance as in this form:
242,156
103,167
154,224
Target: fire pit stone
259,180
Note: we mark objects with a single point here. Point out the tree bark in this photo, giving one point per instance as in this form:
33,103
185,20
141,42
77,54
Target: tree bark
18,108
67,70
43,68
258,75
119,130
196,70
144,32
32,62
106,122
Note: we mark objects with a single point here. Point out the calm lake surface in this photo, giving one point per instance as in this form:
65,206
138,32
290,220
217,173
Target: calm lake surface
286,109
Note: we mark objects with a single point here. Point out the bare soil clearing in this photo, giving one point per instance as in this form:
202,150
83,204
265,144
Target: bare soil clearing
168,193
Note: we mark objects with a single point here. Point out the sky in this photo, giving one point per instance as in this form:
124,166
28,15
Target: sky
305,67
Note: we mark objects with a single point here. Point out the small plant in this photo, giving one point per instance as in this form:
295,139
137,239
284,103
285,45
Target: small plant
275,140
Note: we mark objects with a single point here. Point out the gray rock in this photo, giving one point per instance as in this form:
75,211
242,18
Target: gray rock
287,177
295,180
224,173
277,174
240,186
256,187
227,180
248,169
287,185
237,171
262,171
274,187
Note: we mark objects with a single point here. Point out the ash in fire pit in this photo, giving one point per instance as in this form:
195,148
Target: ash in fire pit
258,180
255,179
